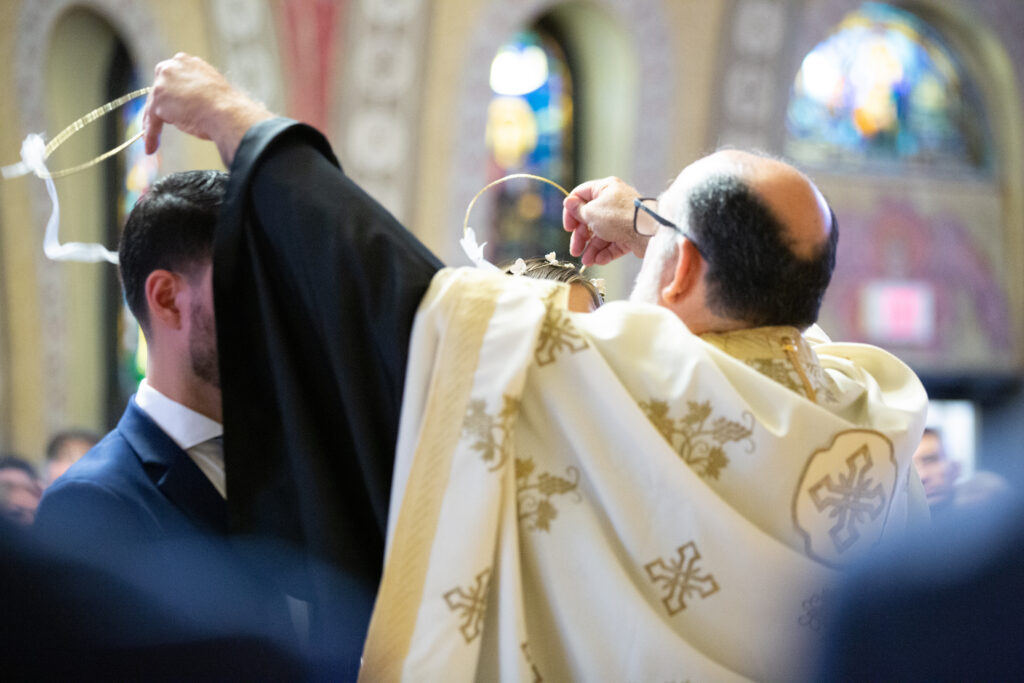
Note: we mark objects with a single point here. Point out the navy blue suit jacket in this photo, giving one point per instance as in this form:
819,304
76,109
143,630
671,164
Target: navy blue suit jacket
139,509
135,486
71,621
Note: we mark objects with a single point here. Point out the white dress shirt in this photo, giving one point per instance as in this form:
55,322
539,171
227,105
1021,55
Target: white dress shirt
190,430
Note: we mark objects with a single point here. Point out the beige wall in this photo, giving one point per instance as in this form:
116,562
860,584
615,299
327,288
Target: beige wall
23,365
450,25
698,25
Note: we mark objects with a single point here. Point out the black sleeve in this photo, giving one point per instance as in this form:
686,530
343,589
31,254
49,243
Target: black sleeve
316,286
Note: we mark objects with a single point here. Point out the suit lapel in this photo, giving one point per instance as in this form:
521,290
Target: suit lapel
173,471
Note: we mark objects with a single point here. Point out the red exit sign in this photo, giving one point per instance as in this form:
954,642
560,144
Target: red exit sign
898,312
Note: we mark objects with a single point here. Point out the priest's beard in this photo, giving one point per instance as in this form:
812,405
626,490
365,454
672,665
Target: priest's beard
202,344
650,279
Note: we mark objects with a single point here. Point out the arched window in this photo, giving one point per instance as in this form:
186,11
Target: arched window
895,114
529,130
886,87
87,63
128,176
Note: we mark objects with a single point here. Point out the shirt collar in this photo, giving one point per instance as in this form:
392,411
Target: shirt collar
186,427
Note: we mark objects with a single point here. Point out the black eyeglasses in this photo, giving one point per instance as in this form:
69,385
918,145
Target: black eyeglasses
643,226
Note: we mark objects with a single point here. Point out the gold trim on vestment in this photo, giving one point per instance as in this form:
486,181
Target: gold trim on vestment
405,572
780,353
471,605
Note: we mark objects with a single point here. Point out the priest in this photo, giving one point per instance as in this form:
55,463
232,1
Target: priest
663,489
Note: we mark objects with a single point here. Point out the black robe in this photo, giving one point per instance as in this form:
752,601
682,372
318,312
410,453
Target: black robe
315,290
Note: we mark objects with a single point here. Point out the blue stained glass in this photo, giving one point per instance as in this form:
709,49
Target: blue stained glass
140,170
529,130
885,86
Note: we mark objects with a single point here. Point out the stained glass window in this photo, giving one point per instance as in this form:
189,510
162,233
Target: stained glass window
529,130
129,175
885,86
139,173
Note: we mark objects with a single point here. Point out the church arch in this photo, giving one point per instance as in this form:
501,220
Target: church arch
903,231
887,92
628,37
982,32
761,47
531,126
60,60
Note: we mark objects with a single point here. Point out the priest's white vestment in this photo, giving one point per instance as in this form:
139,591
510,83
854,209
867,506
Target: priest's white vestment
608,496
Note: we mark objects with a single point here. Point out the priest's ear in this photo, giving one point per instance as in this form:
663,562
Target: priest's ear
164,298
686,274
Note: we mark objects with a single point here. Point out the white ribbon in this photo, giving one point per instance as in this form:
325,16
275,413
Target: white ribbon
33,155
474,251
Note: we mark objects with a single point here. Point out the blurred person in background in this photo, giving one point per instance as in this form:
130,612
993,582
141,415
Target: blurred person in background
938,473
948,495
19,490
944,606
65,448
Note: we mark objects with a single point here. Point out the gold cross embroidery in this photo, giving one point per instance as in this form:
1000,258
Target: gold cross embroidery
470,603
557,334
680,579
853,500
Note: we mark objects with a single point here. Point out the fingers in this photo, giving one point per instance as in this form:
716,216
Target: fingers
183,87
571,218
613,252
194,97
579,216
572,214
572,205
599,215
572,221
151,121
600,252
579,240
153,126
589,190
589,255
597,252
